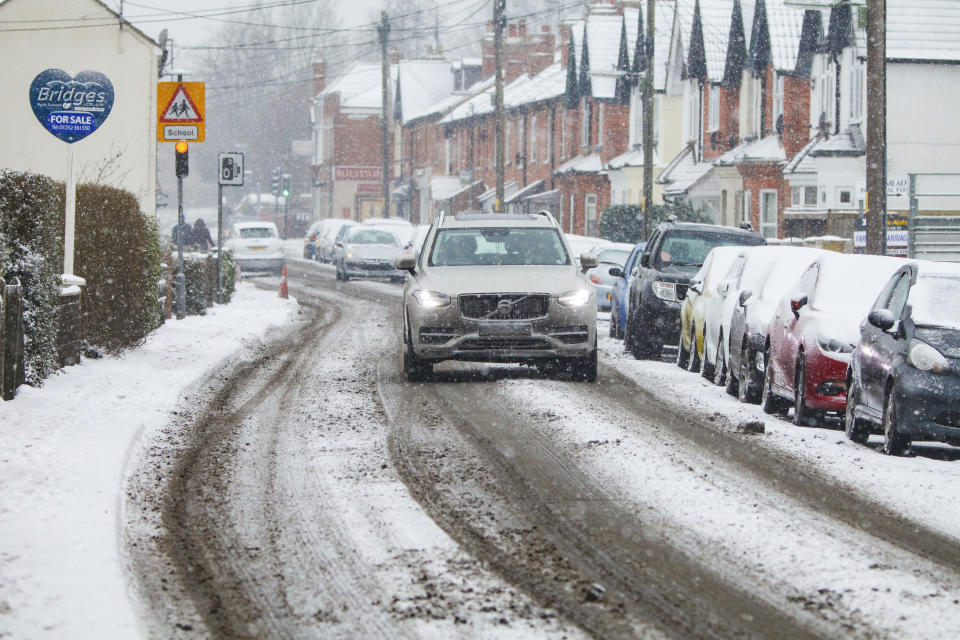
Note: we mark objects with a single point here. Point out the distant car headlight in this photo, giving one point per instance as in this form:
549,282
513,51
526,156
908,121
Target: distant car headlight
832,345
665,290
349,254
926,358
576,298
431,299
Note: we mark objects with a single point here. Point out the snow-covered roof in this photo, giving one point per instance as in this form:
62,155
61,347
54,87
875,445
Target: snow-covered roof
683,172
444,187
359,87
531,189
582,164
549,83
423,83
786,24
849,142
803,162
632,158
767,149
715,18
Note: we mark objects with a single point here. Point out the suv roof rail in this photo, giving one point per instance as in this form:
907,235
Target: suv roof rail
553,221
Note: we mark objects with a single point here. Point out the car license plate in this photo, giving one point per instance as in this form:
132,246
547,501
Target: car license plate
257,248
503,328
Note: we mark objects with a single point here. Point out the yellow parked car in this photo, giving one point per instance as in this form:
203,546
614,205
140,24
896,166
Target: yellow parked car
703,287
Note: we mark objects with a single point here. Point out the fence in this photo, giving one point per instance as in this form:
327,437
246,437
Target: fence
934,237
11,338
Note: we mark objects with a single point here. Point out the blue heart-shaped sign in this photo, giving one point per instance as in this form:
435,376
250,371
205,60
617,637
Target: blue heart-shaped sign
71,108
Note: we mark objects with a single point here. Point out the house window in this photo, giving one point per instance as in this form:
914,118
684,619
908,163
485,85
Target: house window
738,207
636,118
757,110
714,115
549,137
845,197
746,208
533,139
723,206
590,213
506,142
447,153
563,135
804,196
570,220
777,98
693,116
586,121
857,92
768,213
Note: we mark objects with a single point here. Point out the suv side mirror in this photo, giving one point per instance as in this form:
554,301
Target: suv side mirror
405,263
645,260
696,286
616,272
723,288
882,319
745,295
587,261
797,302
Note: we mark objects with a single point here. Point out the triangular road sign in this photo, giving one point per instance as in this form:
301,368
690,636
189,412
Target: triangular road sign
181,108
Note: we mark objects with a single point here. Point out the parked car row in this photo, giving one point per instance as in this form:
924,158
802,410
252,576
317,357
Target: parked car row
872,340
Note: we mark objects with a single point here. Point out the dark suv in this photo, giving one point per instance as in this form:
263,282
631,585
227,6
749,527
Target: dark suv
659,282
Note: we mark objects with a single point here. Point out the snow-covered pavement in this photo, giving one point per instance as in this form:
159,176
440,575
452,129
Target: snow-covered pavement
63,453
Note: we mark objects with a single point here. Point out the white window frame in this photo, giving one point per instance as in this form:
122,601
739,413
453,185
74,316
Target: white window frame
533,140
756,108
586,113
777,97
563,135
768,229
713,117
857,92
845,205
506,143
573,203
636,118
746,207
447,150
590,214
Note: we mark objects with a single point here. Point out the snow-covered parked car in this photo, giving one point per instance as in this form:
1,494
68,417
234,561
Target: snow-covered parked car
610,255
772,272
904,378
815,329
256,246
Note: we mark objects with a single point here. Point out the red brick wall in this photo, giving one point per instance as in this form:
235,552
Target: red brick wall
764,175
796,114
579,185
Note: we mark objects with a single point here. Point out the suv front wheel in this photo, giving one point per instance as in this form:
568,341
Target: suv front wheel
584,369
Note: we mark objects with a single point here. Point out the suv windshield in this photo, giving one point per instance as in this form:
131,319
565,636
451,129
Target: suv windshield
372,236
498,245
690,248
256,232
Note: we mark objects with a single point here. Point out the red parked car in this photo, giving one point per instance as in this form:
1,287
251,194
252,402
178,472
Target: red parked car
814,331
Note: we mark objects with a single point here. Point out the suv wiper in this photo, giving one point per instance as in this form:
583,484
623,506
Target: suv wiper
683,264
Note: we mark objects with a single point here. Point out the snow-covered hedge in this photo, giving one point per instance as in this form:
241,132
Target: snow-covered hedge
118,253
31,247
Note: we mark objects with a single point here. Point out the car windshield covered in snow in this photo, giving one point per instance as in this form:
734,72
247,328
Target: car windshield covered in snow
682,248
372,236
257,232
498,245
613,256
935,301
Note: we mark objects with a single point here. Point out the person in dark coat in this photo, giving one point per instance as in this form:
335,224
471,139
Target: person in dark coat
182,232
201,235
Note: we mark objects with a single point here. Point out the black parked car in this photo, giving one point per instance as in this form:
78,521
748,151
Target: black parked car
659,282
904,376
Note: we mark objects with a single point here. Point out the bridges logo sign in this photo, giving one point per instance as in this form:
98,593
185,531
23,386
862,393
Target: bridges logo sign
71,107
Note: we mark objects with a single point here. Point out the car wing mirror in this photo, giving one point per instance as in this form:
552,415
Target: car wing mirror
882,319
405,263
797,302
723,288
616,272
696,286
645,260
745,295
587,261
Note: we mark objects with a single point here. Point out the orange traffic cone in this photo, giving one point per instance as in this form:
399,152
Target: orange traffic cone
284,293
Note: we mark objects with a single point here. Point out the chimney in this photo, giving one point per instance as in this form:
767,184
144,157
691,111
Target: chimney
319,73
565,32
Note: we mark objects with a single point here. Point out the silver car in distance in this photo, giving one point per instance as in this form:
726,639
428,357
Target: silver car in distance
493,287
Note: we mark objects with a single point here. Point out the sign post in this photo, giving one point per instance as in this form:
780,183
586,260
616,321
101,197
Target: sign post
71,108
230,171
180,118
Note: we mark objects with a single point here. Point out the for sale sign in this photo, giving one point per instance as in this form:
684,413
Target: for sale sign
71,107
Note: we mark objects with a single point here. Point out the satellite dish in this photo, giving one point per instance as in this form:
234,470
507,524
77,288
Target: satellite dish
823,121
162,39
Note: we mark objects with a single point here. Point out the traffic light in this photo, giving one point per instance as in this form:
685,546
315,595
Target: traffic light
285,185
275,182
183,162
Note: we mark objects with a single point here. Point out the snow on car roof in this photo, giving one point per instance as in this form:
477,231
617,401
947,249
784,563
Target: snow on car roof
251,225
851,282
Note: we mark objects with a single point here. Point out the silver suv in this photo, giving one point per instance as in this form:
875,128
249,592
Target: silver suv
493,287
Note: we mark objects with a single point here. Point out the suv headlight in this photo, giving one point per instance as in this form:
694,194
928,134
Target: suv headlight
926,358
431,299
576,298
832,345
665,290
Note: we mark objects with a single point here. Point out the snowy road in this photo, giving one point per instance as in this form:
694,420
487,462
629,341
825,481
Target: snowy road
313,492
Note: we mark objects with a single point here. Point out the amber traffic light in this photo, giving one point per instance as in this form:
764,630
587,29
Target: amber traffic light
183,163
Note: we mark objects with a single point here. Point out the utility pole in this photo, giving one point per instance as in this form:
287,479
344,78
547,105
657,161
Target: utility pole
648,124
383,30
876,127
499,22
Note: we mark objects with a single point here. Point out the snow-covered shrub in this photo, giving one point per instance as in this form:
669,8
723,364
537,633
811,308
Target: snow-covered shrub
31,247
118,253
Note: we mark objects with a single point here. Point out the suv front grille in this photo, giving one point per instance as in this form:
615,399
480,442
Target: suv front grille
504,306
504,342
